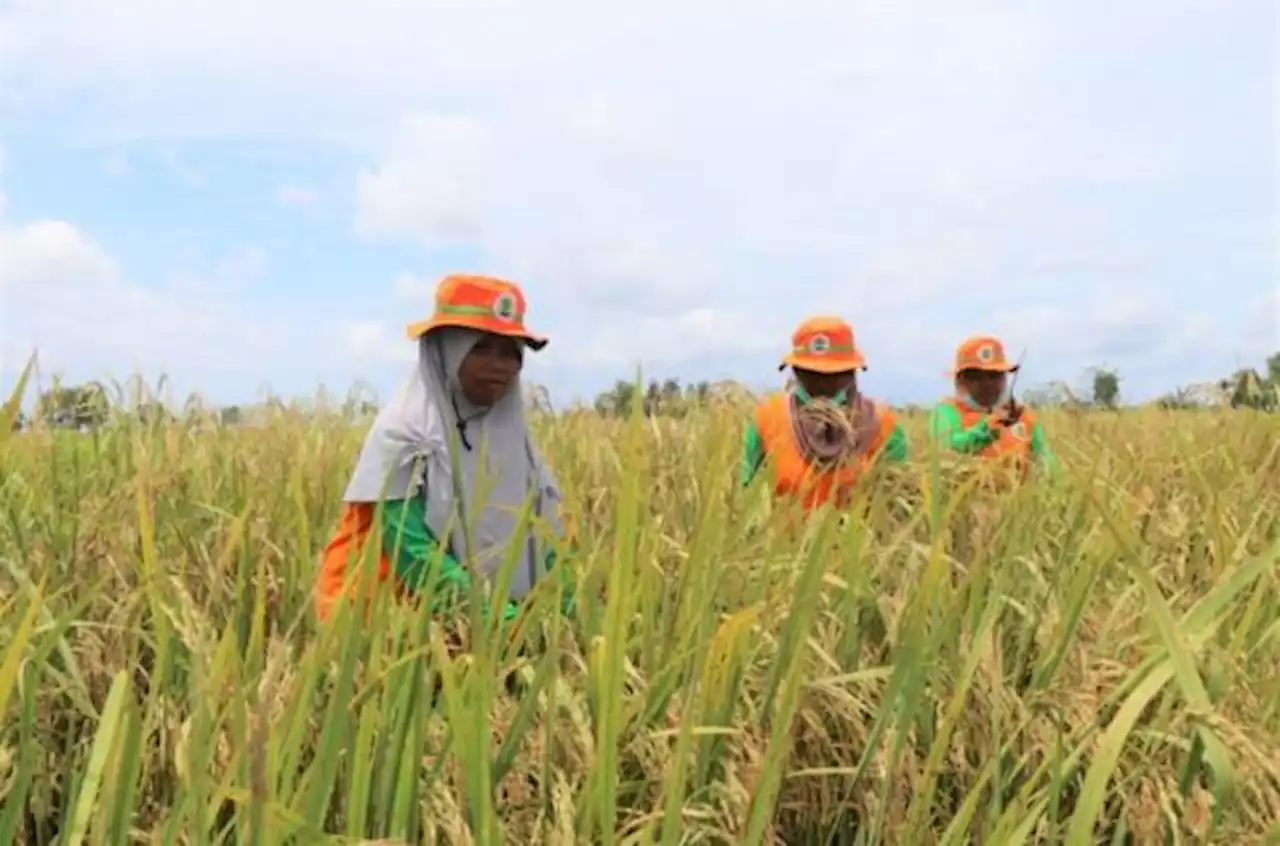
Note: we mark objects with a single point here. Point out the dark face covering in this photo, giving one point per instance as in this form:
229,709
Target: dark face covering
984,387
826,432
826,385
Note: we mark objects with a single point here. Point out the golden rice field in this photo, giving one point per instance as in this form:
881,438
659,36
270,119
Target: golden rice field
1092,659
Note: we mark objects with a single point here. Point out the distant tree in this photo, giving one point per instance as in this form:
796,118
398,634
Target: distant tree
1273,370
665,397
1106,387
1246,388
696,394
232,415
19,422
625,397
74,406
618,401
1179,399
653,399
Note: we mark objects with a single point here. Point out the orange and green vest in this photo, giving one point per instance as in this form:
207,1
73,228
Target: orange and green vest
770,439
961,426
396,531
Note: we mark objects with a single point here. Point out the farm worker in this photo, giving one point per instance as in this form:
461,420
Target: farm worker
820,434
981,418
455,425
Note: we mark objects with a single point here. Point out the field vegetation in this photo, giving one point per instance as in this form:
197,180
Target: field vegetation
1093,658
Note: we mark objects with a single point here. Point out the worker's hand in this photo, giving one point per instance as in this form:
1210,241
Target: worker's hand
1012,412
1004,417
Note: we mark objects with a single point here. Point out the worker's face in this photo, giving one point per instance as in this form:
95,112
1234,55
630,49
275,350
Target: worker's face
826,385
490,369
985,386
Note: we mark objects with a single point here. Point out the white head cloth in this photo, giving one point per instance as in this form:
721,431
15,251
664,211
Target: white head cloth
409,444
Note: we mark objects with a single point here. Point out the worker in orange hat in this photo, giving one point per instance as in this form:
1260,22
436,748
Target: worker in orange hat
819,435
456,425
982,417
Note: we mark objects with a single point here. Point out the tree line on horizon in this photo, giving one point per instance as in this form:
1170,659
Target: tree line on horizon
89,405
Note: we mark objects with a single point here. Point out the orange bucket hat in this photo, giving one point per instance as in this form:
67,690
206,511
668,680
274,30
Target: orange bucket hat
982,352
485,303
824,345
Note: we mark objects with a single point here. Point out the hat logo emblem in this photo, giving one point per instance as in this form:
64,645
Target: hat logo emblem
986,353
504,307
819,344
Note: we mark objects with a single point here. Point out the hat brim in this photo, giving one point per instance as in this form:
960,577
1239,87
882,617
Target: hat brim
824,364
494,327
987,368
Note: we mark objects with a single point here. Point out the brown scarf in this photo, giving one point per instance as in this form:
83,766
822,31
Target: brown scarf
827,433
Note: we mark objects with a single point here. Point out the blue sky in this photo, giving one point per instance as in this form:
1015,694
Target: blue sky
240,194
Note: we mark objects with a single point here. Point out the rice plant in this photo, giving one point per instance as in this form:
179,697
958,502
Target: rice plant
1092,658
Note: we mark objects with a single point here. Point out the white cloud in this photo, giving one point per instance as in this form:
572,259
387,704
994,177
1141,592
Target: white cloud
182,170
414,289
373,341
65,296
117,164
229,274
241,265
612,277
674,340
296,195
46,257
1135,332
435,185
4,200
685,181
